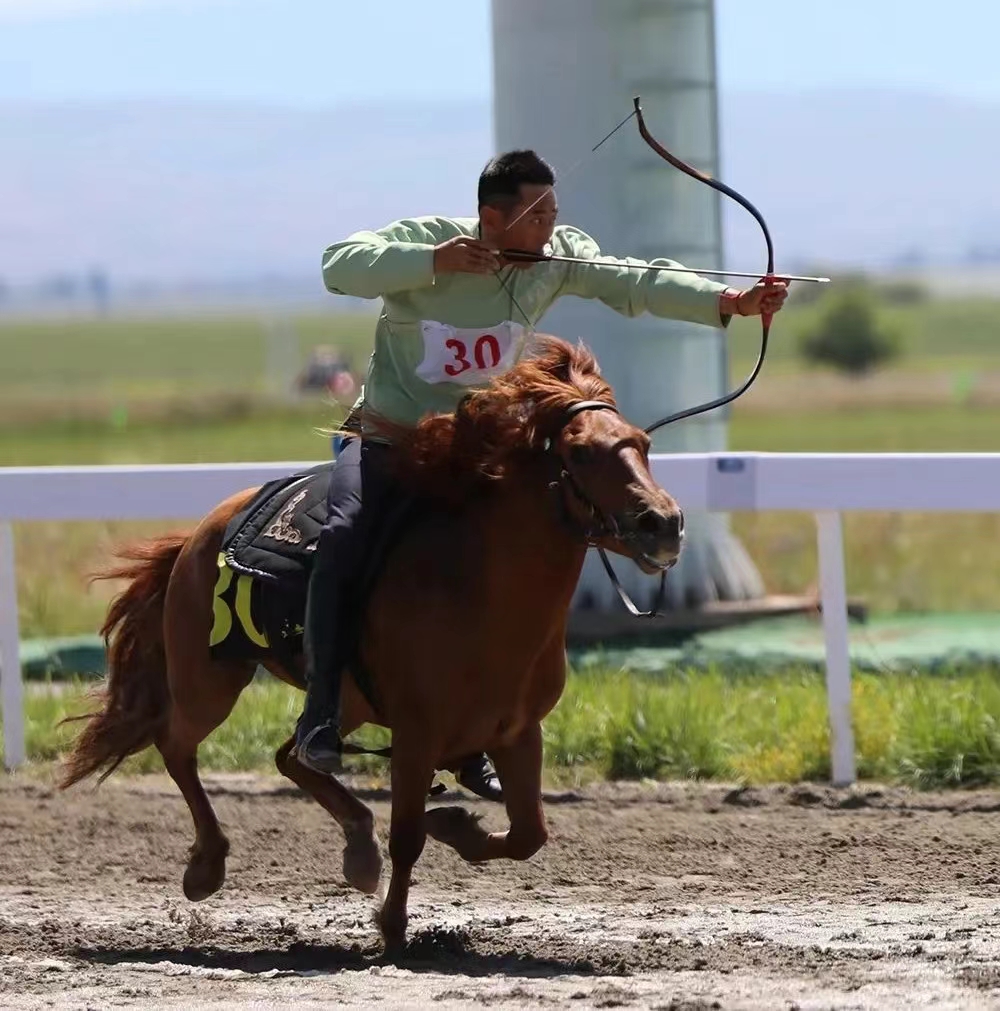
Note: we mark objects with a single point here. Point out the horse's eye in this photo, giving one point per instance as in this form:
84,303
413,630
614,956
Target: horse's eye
579,453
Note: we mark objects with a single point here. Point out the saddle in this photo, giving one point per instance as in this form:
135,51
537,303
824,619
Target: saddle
274,536
265,562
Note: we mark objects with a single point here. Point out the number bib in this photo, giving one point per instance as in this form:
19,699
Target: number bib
468,355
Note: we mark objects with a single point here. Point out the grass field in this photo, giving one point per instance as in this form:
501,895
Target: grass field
922,731
187,390
73,368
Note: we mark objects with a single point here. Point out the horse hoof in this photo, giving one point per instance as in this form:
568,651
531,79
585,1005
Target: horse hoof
362,863
204,878
393,930
457,828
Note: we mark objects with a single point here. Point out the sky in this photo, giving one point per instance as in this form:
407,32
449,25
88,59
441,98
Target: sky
314,53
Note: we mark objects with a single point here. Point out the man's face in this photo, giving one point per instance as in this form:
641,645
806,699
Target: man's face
529,225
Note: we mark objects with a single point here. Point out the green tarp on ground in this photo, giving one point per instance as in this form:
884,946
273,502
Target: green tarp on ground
62,658
905,642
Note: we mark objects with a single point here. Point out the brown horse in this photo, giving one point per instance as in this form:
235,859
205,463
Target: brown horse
463,634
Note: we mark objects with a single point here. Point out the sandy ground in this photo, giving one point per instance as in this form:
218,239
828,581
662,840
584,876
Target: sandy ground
658,896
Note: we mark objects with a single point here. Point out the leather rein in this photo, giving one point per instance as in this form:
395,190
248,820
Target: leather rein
601,525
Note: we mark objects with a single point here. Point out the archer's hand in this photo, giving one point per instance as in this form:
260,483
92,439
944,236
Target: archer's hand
765,297
464,255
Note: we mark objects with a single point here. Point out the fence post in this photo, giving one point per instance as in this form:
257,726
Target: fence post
10,664
833,594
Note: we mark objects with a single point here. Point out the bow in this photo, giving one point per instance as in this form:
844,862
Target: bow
769,278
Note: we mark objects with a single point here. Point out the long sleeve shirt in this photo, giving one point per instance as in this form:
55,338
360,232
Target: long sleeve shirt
439,335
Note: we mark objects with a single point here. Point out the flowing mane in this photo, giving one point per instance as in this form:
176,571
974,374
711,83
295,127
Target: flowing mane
449,455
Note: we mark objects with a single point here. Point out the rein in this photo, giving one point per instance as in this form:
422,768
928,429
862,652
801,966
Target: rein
606,525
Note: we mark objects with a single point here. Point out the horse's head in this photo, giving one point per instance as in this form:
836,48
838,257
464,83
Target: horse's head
607,488
553,407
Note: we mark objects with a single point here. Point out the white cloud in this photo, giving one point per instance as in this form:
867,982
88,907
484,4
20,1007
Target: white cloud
41,10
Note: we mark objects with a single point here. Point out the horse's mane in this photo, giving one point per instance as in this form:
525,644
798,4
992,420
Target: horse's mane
447,456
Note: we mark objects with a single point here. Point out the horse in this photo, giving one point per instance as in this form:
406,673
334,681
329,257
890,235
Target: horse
462,632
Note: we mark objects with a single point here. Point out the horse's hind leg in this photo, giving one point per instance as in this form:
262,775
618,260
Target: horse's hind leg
362,859
207,698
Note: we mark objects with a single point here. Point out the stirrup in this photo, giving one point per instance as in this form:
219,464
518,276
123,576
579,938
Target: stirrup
329,760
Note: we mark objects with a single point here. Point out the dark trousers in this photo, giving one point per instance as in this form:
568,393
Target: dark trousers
362,492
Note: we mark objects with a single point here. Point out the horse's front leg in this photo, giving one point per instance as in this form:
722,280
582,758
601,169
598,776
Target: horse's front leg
412,772
519,766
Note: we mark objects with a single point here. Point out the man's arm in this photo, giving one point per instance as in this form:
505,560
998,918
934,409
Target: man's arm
403,256
367,264
624,286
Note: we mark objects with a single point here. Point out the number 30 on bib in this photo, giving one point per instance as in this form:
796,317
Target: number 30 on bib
467,355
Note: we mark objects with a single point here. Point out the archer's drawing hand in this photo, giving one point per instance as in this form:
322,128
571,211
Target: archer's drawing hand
464,255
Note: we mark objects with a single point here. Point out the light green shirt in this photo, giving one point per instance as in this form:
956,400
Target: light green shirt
396,264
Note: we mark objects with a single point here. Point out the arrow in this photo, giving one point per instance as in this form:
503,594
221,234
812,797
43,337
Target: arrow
524,256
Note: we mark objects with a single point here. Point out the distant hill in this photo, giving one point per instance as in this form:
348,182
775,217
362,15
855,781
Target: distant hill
165,192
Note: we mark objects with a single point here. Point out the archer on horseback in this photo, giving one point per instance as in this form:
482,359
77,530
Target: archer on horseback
457,312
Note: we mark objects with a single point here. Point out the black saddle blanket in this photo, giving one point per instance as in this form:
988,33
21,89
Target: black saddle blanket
273,538
265,562
264,567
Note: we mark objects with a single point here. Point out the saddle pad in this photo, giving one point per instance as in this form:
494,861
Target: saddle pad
273,538
252,618
264,567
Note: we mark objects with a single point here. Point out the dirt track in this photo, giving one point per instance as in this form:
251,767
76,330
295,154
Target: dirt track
667,897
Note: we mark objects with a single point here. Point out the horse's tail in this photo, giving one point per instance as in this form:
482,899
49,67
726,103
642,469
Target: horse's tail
134,699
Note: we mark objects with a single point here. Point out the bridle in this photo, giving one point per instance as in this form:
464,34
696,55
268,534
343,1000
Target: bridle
599,524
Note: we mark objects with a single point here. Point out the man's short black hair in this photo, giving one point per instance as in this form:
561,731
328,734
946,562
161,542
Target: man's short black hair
501,180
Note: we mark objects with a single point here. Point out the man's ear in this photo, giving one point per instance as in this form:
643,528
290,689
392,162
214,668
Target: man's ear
491,218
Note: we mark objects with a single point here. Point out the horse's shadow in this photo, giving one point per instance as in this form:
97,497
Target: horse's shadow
444,951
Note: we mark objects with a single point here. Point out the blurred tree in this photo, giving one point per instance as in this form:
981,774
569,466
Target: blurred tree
848,335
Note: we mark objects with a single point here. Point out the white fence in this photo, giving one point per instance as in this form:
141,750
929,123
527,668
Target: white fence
824,484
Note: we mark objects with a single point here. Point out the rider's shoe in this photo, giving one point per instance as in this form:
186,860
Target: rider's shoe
476,774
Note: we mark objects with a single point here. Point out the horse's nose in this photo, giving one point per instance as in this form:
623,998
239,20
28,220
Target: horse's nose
662,526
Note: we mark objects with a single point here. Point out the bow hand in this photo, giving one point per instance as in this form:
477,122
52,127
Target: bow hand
764,299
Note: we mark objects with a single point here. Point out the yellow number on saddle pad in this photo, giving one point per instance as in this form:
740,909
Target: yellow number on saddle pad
222,611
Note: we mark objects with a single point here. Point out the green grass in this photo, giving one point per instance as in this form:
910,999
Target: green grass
97,365
181,390
934,428
295,434
923,731
936,334
135,357
271,435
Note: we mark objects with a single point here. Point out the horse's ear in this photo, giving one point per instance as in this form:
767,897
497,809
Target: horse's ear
586,359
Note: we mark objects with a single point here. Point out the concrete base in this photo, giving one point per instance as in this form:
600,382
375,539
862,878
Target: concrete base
589,626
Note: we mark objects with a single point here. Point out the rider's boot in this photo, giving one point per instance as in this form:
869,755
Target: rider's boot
317,735
477,774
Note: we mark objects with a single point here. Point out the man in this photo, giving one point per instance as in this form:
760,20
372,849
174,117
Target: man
454,315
